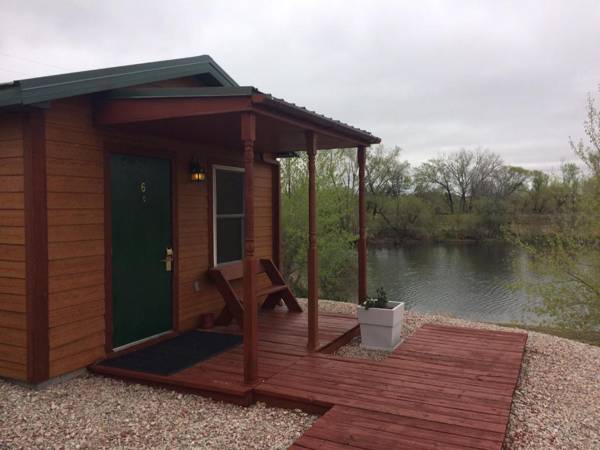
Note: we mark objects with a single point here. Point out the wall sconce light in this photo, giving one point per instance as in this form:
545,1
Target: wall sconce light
197,172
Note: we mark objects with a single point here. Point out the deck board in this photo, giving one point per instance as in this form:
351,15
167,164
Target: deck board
444,387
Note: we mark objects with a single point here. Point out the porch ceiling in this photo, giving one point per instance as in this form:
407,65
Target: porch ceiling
212,116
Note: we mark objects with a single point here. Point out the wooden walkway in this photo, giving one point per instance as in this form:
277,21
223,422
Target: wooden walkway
444,387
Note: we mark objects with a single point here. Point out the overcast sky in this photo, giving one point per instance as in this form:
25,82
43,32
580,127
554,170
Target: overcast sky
429,77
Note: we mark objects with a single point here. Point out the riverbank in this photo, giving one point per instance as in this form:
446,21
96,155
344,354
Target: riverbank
557,401
586,337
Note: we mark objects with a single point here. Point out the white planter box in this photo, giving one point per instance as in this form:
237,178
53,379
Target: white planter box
380,327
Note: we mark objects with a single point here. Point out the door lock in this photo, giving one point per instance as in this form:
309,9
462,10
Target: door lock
168,259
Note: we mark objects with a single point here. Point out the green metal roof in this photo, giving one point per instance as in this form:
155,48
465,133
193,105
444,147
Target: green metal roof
120,82
43,89
179,92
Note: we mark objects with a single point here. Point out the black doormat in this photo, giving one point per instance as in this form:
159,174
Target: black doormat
171,356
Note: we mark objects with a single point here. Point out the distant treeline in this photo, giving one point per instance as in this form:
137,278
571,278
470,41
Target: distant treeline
470,194
466,195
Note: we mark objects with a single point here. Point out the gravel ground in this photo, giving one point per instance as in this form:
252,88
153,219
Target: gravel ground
557,402
96,412
556,406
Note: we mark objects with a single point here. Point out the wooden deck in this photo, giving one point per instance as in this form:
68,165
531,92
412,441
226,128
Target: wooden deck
282,342
444,387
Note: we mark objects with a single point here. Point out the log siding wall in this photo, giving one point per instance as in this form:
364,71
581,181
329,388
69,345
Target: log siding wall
13,318
75,196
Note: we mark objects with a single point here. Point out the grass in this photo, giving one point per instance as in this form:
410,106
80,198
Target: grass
587,337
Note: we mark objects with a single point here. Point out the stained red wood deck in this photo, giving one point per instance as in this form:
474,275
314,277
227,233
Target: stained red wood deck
444,387
282,341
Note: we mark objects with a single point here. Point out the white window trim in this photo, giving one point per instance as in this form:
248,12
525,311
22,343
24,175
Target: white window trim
216,167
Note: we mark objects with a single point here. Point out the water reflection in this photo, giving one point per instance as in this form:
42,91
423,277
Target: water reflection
468,281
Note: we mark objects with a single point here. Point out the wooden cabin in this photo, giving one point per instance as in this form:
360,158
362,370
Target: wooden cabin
123,189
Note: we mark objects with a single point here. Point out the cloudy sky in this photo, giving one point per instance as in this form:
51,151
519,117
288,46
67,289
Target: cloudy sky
430,77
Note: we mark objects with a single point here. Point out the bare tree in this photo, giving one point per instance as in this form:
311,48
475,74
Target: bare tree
460,175
436,173
385,173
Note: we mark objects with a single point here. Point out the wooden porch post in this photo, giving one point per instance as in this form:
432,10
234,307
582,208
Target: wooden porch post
250,305
313,264
362,232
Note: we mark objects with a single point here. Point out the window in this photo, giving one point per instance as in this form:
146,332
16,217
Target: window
228,214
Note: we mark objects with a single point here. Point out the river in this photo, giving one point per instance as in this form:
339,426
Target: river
470,281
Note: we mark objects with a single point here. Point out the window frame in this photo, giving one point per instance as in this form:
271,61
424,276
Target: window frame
215,215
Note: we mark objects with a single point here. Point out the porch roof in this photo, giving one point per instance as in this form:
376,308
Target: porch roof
212,114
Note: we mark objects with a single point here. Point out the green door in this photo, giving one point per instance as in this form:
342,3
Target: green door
141,235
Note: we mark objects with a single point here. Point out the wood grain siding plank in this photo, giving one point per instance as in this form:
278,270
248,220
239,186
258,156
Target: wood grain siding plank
12,269
71,233
72,297
12,218
73,331
64,250
10,183
11,200
76,152
12,303
12,353
83,311
73,136
13,286
74,168
74,362
92,341
62,283
14,320
10,147
76,217
78,185
12,235
75,200
11,166
73,266
12,336
12,252
13,370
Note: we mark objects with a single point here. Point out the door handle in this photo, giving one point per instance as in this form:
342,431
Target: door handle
168,259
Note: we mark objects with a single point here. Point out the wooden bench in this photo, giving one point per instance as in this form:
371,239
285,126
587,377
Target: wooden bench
234,305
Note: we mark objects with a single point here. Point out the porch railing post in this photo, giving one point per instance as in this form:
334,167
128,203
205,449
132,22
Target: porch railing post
313,264
250,305
362,232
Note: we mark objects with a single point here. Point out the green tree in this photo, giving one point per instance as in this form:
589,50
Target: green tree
567,262
335,237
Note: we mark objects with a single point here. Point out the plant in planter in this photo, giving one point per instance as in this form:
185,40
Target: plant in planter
380,322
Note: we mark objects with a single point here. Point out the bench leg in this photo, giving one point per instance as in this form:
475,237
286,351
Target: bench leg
290,301
225,317
272,301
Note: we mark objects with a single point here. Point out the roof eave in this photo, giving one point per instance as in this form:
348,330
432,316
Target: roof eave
42,89
361,136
